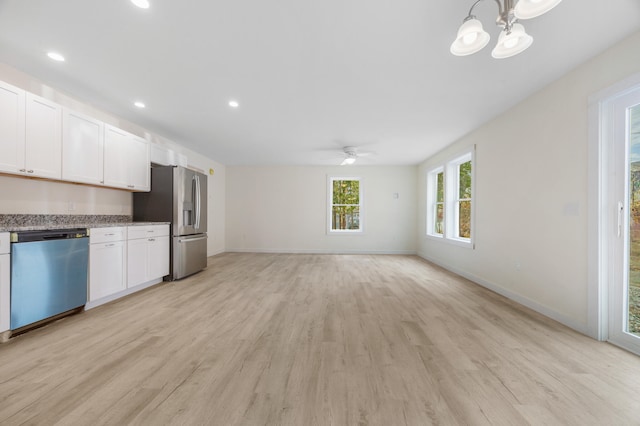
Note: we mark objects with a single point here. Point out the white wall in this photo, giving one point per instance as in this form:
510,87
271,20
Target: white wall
531,193
31,196
284,209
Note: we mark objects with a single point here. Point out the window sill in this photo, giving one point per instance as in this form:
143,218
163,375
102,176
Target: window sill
455,241
346,232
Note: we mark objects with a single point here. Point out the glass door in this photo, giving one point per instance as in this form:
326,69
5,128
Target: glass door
624,297
632,314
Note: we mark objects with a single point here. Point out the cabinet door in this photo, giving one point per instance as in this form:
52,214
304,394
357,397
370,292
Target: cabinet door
82,148
139,164
11,128
126,160
107,270
5,295
43,137
158,257
136,262
116,157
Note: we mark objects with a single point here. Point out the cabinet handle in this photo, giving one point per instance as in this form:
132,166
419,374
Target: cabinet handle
109,235
109,245
23,170
151,239
130,186
29,171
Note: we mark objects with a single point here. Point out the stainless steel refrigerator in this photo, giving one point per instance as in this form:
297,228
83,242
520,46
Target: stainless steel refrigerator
179,196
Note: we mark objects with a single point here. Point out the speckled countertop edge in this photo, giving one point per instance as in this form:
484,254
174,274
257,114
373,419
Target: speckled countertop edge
24,222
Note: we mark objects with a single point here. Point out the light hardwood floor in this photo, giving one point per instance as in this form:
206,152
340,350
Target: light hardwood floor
267,339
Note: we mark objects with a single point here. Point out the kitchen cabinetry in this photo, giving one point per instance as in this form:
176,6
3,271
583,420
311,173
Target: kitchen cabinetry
30,134
40,138
126,160
43,138
147,253
5,287
11,128
82,148
107,262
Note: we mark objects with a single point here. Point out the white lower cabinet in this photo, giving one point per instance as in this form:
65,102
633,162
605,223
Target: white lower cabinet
108,262
126,259
147,253
5,285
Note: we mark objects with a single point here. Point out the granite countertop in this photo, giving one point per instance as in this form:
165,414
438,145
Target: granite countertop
31,222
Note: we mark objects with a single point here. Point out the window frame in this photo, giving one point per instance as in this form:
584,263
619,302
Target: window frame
452,200
432,202
360,230
453,190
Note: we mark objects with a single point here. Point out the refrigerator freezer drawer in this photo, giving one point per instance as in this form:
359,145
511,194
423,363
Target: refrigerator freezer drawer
189,255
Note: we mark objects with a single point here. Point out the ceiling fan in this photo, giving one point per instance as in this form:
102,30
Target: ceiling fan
351,154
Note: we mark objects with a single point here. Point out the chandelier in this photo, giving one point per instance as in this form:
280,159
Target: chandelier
512,40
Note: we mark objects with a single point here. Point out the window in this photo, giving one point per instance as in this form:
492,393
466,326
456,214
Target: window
449,200
461,198
435,226
345,205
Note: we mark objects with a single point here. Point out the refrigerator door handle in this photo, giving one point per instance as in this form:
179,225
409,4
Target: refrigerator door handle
189,240
197,200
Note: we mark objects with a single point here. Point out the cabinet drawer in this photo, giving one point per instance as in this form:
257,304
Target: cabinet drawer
147,231
104,235
4,243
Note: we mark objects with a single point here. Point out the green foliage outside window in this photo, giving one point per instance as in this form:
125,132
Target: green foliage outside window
346,205
439,219
464,212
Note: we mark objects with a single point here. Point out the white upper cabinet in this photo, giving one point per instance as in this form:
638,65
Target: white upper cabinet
126,160
43,137
30,134
11,128
82,148
139,159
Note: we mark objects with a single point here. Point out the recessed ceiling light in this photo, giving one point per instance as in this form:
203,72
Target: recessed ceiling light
142,4
140,104
234,104
56,56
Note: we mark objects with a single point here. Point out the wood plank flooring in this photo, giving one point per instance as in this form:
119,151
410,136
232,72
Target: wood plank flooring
273,339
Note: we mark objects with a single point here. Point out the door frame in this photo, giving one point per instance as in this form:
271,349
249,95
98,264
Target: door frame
601,216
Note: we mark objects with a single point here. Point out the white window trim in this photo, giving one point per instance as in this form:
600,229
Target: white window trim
432,185
451,198
329,210
452,189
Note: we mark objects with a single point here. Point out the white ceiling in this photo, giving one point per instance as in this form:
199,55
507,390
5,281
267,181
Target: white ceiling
310,76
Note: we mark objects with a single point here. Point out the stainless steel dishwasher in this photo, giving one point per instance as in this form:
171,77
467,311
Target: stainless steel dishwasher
48,274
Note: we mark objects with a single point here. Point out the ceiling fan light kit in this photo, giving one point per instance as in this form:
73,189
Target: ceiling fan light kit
351,154
513,39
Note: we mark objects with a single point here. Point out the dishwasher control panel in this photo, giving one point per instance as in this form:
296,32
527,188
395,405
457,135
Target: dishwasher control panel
49,234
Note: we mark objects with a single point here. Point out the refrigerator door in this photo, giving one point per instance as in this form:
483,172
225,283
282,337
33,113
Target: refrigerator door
190,205
189,255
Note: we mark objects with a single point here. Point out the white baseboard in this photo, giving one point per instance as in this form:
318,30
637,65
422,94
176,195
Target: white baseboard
525,301
322,251
95,303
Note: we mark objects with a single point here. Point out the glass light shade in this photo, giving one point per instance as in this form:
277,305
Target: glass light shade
471,38
348,161
142,4
527,9
513,43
